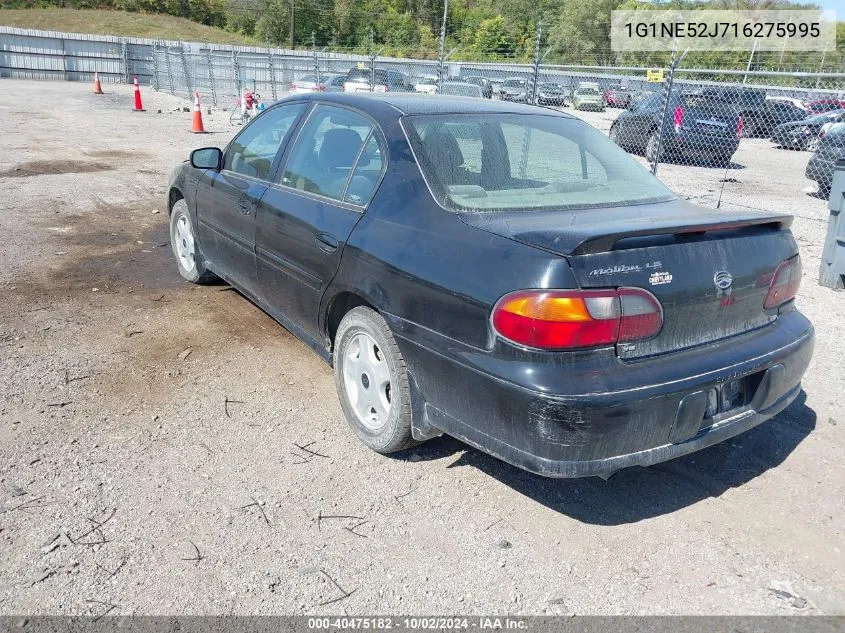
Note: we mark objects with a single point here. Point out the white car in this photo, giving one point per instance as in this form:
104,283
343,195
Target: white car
426,85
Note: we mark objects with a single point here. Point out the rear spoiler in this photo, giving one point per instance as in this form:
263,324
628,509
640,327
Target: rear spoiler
605,241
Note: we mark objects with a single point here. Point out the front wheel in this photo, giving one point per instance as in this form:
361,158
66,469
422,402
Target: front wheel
372,382
183,240
614,134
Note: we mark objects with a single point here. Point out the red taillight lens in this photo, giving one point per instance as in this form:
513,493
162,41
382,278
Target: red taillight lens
785,282
679,118
293,86
572,319
739,127
320,87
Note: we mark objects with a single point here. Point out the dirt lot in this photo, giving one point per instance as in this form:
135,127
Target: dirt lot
149,431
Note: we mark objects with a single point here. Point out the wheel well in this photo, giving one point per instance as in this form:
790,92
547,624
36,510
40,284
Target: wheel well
340,305
172,198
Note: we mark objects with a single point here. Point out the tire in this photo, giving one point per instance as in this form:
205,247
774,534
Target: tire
613,134
721,160
372,382
813,144
186,250
651,148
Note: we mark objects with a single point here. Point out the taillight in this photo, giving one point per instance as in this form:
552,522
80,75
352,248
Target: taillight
320,87
572,319
785,282
739,127
293,86
679,118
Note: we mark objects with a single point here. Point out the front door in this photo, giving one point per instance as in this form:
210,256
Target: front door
305,218
227,200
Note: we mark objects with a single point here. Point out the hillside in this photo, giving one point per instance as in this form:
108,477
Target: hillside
120,23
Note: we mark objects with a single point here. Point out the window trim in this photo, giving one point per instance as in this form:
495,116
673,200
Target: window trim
376,129
283,144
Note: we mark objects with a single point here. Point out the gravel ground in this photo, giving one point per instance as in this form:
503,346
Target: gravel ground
149,430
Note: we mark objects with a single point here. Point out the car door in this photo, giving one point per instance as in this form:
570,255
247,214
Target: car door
306,216
227,199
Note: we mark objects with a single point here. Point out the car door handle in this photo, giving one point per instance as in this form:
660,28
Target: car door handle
244,207
327,242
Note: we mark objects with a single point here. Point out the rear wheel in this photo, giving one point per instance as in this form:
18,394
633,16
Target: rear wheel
651,148
372,381
614,134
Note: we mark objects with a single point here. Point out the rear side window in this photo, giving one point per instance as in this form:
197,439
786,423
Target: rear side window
326,151
253,151
532,162
367,172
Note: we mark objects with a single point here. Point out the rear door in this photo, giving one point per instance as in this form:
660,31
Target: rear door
227,200
306,216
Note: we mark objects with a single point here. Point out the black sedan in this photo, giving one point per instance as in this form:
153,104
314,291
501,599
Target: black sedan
696,127
481,82
500,273
804,134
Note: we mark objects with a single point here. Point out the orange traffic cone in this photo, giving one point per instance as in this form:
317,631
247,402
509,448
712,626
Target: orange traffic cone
196,122
98,89
138,106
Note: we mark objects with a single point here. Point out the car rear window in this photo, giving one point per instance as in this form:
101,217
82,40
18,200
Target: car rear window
514,162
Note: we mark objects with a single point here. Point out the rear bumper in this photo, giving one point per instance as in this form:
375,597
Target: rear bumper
653,413
692,145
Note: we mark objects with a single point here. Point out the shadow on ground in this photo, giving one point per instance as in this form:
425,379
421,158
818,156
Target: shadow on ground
635,494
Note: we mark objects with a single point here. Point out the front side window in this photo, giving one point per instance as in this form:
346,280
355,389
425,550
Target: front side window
326,151
510,162
253,151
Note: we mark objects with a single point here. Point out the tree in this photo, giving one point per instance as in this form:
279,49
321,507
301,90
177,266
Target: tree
492,40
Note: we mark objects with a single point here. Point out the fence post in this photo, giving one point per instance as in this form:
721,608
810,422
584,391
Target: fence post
372,63
155,67
127,62
536,63
64,61
316,59
211,75
441,56
271,68
185,69
169,69
667,91
236,74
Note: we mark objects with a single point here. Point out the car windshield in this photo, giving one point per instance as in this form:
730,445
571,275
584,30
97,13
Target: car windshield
587,91
549,86
513,83
525,162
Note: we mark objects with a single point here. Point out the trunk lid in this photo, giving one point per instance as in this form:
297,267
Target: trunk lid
709,269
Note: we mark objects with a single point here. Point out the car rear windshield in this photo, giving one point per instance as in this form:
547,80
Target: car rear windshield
364,75
587,91
525,162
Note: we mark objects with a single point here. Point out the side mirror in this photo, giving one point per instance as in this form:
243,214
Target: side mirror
207,158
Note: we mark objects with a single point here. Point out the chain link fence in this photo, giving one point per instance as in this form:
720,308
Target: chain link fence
703,130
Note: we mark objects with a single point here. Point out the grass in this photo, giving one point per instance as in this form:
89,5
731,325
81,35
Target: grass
120,23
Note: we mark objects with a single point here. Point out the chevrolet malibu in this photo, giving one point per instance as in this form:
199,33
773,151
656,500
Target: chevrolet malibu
500,273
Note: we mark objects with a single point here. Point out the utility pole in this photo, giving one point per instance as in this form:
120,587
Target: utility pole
442,55
292,14
316,59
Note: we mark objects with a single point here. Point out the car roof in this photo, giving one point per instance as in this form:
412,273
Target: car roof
410,103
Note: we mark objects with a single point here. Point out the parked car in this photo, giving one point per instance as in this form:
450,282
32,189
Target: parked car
310,83
359,80
426,84
821,164
587,97
697,127
775,113
461,89
514,89
483,83
749,102
804,134
819,106
499,273
796,102
551,94
617,96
